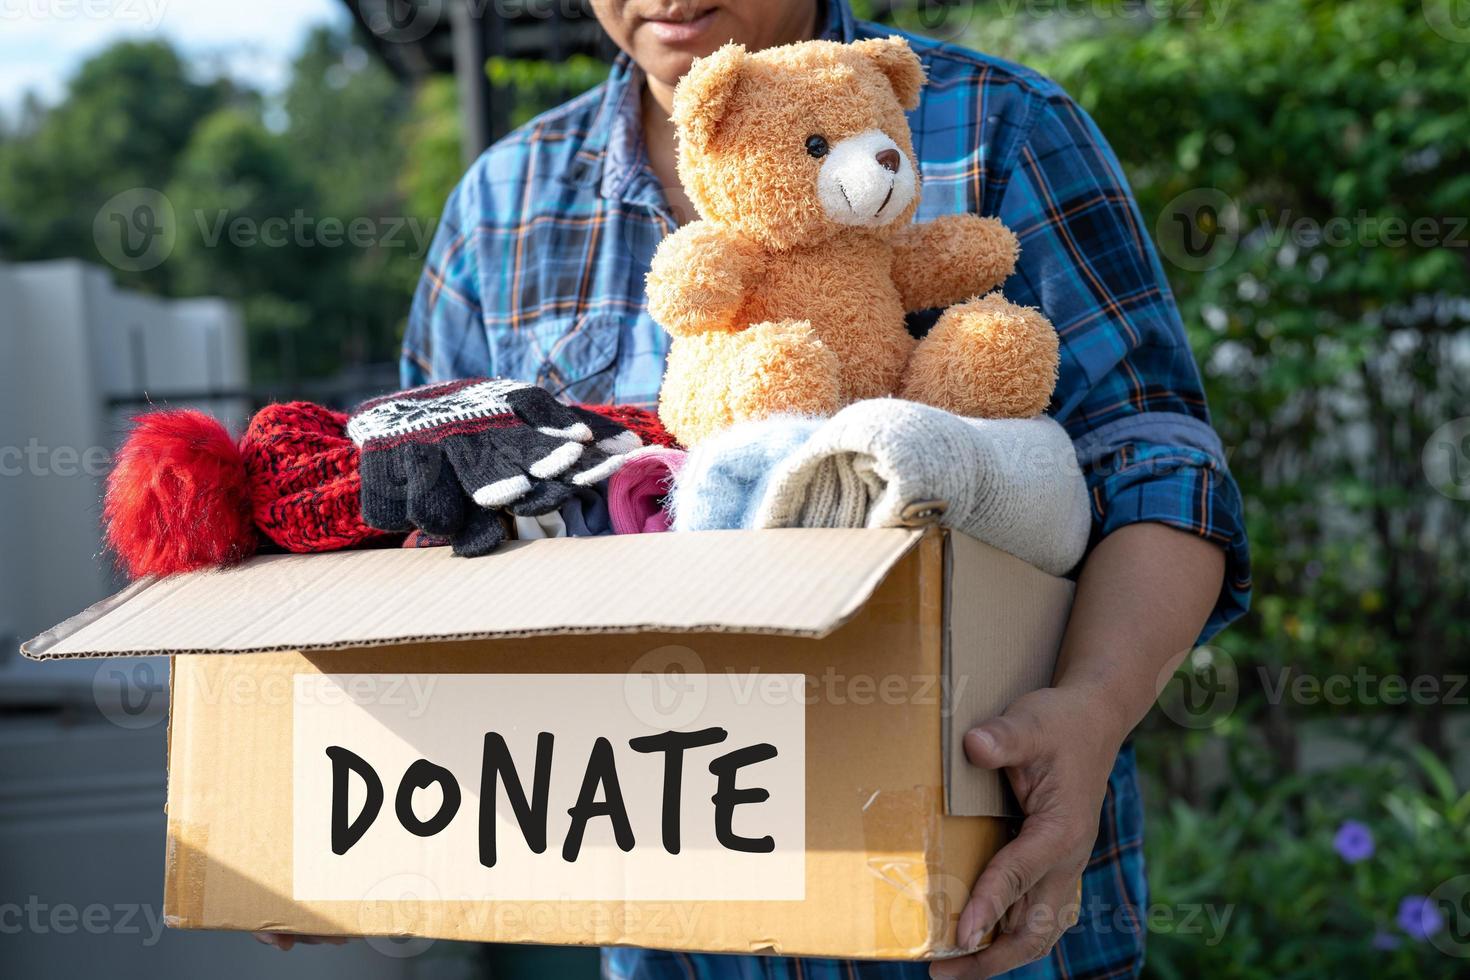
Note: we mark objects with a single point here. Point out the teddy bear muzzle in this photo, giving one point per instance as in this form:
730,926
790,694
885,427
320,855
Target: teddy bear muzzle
866,180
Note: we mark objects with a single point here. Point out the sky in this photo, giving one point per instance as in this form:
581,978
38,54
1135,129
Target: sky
43,41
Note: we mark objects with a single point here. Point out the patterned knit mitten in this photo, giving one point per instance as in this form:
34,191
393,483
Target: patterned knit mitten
442,458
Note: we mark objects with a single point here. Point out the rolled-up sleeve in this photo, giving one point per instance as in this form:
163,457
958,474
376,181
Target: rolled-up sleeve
1129,391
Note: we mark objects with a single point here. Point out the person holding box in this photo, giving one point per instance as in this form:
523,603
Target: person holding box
537,273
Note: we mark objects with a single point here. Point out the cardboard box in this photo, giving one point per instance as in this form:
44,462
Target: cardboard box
814,800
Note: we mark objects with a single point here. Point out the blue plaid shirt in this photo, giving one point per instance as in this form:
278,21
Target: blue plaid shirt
537,272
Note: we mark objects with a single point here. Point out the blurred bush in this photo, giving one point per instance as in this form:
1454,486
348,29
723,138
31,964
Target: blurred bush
1305,168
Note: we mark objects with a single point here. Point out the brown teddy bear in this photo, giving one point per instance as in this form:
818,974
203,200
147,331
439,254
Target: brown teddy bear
789,293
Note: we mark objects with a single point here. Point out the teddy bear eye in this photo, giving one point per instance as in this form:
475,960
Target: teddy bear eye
816,146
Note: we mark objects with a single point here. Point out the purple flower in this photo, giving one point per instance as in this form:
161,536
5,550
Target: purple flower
1384,940
1353,842
1419,918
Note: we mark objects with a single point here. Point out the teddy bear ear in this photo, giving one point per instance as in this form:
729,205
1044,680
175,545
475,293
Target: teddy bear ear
703,95
896,60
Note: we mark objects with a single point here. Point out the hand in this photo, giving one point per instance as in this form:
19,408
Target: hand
1057,745
285,940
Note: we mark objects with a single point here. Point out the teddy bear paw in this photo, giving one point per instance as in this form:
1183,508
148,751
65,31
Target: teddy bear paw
783,368
986,358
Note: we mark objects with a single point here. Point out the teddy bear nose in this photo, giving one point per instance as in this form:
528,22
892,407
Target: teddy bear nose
888,160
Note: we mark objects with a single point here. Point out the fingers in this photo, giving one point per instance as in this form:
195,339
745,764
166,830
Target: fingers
1033,927
594,467
482,533
408,488
610,437
1010,740
384,493
540,410
544,497
490,479
1042,849
286,940
537,454
436,502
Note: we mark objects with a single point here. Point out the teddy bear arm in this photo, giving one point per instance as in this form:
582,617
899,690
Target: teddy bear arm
950,259
699,279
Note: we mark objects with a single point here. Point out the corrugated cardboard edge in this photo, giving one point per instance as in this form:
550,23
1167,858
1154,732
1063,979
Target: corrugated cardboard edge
35,648
40,647
175,856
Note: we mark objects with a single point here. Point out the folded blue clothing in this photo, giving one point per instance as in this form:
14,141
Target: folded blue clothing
722,483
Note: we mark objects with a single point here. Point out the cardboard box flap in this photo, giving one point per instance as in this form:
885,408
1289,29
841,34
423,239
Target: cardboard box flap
794,582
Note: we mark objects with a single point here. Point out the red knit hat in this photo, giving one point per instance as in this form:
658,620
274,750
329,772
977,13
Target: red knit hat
183,495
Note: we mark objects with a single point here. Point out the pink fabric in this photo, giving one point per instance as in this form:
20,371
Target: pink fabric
636,492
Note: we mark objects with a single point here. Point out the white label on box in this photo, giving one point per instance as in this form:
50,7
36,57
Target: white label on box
654,786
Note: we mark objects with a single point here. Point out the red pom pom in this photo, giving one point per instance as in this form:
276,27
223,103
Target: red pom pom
178,497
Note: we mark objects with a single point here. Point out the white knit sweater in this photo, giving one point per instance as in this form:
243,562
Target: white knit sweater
1011,483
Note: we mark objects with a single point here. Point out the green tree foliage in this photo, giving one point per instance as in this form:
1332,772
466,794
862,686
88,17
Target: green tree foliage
433,155
345,112
243,208
127,115
291,207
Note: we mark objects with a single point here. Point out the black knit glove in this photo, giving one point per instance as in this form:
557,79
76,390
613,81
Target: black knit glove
445,458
